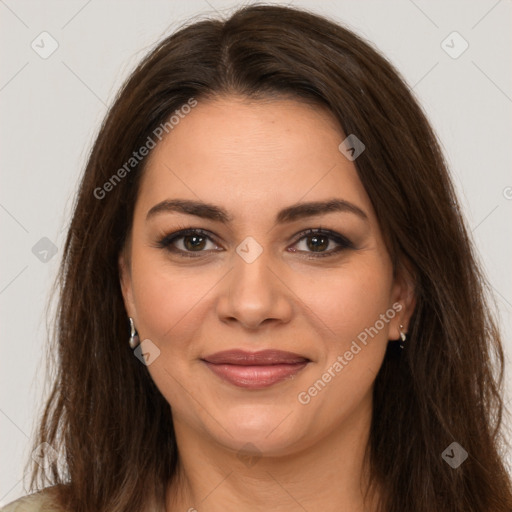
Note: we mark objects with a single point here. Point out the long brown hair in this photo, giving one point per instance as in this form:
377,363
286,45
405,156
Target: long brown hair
105,416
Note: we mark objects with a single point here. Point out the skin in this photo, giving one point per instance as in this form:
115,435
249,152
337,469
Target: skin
254,159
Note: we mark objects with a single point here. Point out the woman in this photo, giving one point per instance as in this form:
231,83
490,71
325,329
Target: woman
269,299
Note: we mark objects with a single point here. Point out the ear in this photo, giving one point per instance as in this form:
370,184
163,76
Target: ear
125,280
403,301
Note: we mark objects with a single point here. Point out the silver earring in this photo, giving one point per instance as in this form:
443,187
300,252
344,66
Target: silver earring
403,336
134,337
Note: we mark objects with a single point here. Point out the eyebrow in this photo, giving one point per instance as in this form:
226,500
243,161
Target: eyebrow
288,214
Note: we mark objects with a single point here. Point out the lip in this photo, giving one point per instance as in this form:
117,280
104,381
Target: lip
255,370
260,358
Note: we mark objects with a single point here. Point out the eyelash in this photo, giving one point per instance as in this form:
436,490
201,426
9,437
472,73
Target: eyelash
167,241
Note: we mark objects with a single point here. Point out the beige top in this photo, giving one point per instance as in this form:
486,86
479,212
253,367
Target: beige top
36,502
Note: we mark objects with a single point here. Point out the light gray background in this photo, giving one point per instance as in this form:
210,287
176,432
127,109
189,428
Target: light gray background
51,109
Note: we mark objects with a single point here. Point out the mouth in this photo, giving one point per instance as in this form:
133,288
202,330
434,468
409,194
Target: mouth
255,370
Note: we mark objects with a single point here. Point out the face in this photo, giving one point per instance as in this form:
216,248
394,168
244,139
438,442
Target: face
253,259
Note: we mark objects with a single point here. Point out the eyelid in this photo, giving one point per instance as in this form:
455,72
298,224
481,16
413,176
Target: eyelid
166,241
343,242
337,237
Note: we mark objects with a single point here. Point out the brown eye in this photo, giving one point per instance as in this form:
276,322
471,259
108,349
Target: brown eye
188,241
317,243
194,242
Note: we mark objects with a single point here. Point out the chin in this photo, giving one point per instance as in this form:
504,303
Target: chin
255,444
269,431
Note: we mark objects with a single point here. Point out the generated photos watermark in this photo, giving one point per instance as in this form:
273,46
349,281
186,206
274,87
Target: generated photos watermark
305,397
137,156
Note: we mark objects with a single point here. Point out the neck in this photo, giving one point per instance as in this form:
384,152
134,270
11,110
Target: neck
330,474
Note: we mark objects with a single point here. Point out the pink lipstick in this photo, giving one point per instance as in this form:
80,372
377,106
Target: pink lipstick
255,370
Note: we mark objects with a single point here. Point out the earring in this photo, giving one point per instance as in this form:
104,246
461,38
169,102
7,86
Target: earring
134,337
403,336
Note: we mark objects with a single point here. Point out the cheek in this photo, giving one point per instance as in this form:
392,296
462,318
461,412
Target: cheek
169,299
354,347
349,300
172,300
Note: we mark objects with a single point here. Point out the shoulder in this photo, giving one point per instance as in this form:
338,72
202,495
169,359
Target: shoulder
41,501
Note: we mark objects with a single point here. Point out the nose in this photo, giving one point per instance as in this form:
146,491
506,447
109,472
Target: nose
254,293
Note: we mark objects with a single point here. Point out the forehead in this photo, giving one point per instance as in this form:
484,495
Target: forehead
246,155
